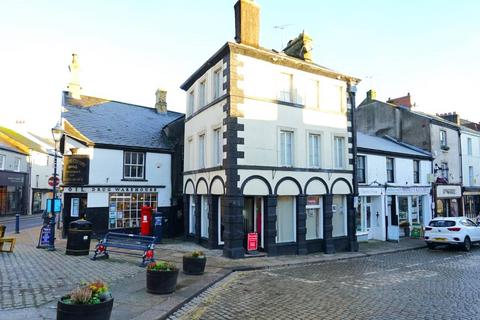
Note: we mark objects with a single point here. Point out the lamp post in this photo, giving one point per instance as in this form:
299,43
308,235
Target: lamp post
57,133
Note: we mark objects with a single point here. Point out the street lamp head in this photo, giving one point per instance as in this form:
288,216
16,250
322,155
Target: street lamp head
57,132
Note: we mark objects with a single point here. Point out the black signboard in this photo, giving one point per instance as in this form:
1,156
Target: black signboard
75,170
12,179
44,239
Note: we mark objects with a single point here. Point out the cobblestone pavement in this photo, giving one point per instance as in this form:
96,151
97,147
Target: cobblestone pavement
419,284
31,277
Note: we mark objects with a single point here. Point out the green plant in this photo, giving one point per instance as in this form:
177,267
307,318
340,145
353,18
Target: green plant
196,254
161,266
88,293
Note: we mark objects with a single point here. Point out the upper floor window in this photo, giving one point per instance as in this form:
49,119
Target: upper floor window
443,139
134,165
361,169
285,87
2,162
202,94
217,83
444,170
469,146
339,152
286,148
390,170
332,97
217,146
416,171
189,154
312,94
17,164
314,150
191,102
201,151
470,176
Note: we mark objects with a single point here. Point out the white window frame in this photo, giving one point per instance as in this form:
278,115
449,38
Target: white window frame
202,93
393,169
294,222
419,174
314,85
310,155
219,220
320,222
443,138
191,103
282,153
201,151
189,160
217,83
471,176
204,222
191,215
336,152
3,158
18,164
469,147
282,94
364,157
344,216
137,165
217,144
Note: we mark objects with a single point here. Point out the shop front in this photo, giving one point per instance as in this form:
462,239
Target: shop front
448,201
370,213
13,193
471,200
408,208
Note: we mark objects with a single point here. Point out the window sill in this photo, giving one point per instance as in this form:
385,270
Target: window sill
133,179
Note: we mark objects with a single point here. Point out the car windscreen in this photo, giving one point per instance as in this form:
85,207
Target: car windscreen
441,223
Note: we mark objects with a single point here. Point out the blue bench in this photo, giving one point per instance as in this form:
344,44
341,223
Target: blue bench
126,241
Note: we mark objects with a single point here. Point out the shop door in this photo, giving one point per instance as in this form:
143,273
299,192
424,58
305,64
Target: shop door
253,218
74,208
392,223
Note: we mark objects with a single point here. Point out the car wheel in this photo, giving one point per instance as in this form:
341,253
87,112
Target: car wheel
431,246
467,244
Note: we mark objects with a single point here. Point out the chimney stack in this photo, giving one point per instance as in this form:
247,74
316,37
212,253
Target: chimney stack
451,116
74,84
371,95
247,22
161,100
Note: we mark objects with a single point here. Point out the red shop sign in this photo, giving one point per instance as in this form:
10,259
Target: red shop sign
252,241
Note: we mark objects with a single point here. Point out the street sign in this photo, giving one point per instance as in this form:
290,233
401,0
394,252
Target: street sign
50,181
252,241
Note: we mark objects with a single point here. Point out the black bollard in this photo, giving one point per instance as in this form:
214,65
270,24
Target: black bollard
17,223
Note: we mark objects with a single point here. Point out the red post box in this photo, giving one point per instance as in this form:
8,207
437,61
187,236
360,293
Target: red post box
146,224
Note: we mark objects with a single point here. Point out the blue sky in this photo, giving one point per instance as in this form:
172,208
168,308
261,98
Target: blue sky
127,49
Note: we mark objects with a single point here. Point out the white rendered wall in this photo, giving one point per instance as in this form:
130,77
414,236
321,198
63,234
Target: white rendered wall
470,160
452,156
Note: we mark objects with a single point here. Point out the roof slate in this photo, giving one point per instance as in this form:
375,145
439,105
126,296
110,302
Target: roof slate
118,123
388,144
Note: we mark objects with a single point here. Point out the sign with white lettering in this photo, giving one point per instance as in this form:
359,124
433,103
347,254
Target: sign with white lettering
370,191
69,189
449,191
76,170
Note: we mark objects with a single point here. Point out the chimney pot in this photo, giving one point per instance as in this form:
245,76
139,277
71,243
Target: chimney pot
74,84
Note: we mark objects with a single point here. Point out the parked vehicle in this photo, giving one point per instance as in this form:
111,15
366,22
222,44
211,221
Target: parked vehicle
459,231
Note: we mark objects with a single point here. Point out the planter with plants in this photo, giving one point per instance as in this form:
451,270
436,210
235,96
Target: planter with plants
194,262
91,301
161,277
405,225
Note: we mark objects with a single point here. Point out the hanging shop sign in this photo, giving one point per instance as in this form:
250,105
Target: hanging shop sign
75,170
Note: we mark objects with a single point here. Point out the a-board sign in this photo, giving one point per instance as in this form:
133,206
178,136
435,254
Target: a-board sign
252,241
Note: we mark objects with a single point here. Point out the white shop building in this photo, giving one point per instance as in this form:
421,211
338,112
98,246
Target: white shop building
394,187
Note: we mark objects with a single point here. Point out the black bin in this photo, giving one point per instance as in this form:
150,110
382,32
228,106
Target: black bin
79,235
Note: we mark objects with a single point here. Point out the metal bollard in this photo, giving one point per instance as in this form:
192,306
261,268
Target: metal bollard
17,223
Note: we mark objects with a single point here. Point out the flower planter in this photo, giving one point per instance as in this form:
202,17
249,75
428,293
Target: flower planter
100,311
194,265
161,282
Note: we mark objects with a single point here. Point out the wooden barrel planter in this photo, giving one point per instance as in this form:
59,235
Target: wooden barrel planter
194,265
100,311
161,282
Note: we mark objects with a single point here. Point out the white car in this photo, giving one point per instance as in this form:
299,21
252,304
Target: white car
460,231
